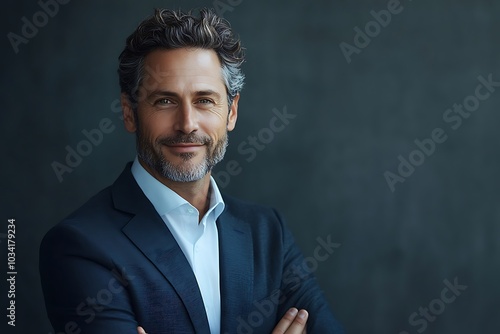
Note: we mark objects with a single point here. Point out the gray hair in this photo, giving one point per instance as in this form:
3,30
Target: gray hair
169,29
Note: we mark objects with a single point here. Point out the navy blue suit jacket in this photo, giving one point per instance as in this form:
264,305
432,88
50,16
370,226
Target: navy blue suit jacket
113,264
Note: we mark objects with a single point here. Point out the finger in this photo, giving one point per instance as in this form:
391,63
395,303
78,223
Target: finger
293,322
299,323
141,330
286,321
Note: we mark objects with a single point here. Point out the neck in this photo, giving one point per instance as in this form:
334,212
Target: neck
197,193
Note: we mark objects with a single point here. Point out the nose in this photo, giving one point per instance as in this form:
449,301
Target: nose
186,120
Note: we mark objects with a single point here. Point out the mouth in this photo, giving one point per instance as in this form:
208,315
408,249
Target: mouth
185,147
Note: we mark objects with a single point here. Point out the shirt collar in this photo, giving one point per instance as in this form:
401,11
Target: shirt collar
165,199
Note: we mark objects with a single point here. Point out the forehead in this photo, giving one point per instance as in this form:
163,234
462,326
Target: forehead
183,67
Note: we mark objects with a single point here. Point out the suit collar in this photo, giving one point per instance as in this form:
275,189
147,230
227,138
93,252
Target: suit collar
127,195
147,231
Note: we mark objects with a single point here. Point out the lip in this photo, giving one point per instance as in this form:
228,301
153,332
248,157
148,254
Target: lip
184,147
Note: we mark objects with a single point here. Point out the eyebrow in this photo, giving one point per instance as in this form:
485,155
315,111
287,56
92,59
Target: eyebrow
207,92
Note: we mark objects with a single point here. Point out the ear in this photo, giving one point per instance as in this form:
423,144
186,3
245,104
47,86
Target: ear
233,113
128,113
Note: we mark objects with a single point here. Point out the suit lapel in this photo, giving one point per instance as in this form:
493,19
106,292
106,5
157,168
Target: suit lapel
236,269
148,232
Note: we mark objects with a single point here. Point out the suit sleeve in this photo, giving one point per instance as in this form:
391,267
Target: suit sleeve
84,292
300,289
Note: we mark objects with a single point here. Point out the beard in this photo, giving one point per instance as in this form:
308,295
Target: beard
152,155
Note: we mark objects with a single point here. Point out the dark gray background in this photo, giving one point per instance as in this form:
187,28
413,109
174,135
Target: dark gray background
324,172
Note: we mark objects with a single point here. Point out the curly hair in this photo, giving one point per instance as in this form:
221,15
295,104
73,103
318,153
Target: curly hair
169,29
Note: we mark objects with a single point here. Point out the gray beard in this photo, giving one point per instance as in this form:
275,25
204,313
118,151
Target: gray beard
154,158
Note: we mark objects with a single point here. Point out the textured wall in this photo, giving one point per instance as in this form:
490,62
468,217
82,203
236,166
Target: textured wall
351,114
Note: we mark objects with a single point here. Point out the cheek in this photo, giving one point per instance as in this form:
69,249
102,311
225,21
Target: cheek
215,125
154,125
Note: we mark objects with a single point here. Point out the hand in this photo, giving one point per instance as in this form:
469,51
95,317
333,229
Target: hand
141,330
293,322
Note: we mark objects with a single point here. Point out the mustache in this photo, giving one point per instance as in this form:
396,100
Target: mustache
185,139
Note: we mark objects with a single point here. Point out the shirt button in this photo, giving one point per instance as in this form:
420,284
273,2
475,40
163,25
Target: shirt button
190,210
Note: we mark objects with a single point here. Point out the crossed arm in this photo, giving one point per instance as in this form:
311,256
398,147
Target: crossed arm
84,290
102,303
293,322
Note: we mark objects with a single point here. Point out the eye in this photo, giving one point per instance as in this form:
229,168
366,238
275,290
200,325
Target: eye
163,102
205,101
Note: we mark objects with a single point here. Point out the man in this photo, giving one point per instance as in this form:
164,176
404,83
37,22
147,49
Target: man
162,248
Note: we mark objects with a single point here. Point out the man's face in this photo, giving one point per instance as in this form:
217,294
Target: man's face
182,114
